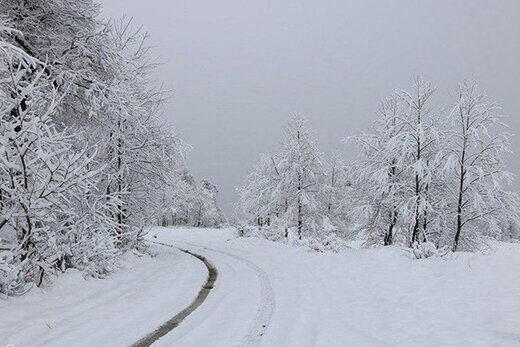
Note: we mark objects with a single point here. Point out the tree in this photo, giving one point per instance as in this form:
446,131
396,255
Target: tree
208,213
83,150
258,198
301,170
475,166
45,183
380,174
187,203
437,178
336,191
419,140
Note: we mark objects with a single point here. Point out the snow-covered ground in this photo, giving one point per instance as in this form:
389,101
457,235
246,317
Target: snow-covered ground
362,297
272,294
116,311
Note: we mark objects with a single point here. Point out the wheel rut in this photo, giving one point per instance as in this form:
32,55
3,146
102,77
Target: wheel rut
264,313
173,322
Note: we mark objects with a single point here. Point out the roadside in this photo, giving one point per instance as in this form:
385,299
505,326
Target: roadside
115,311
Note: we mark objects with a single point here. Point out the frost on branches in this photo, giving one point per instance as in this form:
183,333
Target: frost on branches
429,176
187,202
83,151
477,143
289,195
379,198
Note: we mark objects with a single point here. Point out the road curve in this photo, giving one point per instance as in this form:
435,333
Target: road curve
179,317
264,313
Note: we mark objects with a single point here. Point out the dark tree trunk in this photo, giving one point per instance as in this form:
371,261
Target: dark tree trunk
300,221
462,173
417,223
389,236
459,208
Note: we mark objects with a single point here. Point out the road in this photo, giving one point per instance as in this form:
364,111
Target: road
272,294
238,310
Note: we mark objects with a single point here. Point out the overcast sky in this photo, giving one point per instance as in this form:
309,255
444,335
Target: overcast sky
239,69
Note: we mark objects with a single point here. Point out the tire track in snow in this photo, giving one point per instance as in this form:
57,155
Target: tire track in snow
173,322
264,313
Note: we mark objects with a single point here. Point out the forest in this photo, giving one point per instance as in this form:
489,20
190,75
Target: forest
86,160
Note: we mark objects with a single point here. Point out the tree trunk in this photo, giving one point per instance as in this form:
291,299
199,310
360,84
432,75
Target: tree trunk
415,233
300,221
389,236
120,214
425,217
459,207
416,227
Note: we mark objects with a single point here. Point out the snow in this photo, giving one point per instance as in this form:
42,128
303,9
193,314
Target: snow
381,296
116,311
370,297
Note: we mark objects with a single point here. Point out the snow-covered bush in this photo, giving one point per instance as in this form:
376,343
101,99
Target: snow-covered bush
12,279
330,243
428,249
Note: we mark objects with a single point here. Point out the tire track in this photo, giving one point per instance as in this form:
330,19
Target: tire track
264,313
172,323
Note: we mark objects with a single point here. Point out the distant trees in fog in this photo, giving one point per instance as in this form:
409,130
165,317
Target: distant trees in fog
191,203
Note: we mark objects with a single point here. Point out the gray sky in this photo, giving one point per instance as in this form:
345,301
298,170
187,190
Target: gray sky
239,69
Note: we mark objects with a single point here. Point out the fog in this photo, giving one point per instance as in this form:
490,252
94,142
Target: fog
239,69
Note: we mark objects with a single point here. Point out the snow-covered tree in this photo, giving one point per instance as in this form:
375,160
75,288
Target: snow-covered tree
380,174
301,171
81,133
477,144
419,140
178,200
258,198
207,212
337,192
285,191
106,68
434,178
188,203
47,187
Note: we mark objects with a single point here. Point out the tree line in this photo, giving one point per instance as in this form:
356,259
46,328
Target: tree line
191,203
84,154
425,177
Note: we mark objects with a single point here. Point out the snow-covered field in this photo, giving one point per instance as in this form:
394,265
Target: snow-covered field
272,294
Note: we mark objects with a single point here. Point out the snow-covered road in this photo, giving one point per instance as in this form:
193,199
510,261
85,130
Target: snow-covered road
377,297
239,308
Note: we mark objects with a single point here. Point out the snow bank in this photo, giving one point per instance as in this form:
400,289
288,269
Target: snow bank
115,311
